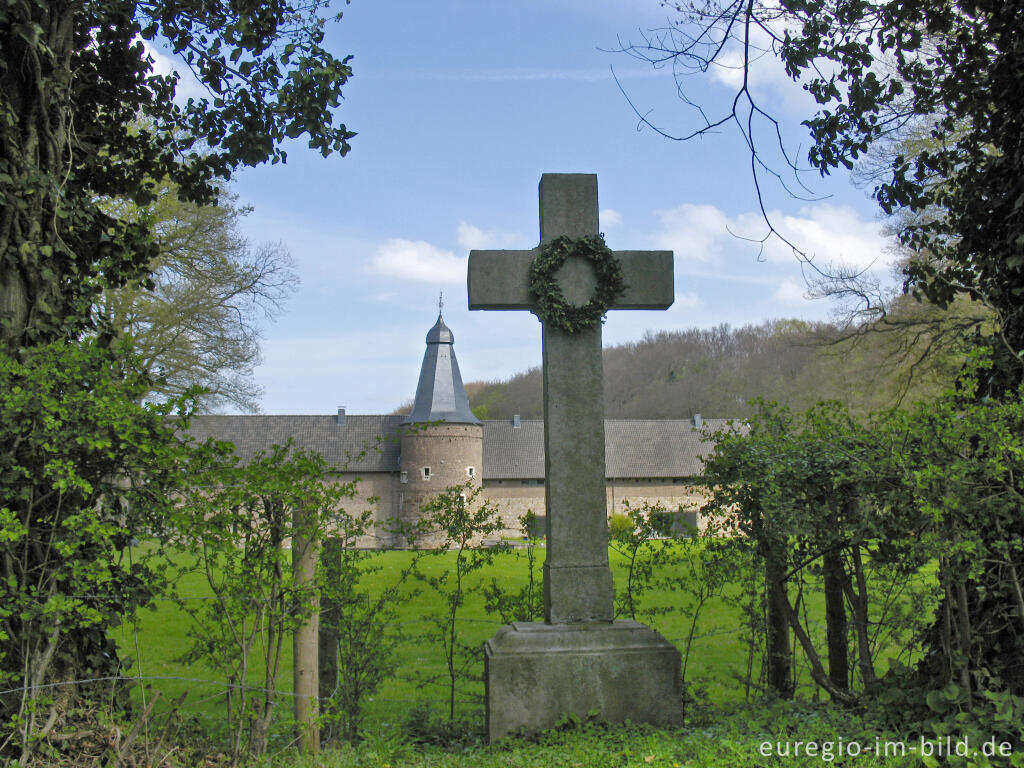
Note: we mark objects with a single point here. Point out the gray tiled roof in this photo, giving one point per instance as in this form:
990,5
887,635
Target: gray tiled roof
440,395
634,448
362,444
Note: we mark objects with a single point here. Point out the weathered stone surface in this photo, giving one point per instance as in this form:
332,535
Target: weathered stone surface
537,672
577,580
579,660
500,279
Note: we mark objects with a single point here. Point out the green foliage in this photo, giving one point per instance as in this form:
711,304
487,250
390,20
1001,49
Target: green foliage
194,318
76,81
526,603
819,494
360,613
621,528
83,469
671,565
243,520
734,739
550,304
911,489
460,521
631,535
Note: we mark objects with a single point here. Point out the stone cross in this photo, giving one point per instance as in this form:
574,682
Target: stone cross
577,579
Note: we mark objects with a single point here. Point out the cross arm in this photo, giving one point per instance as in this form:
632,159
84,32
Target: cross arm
500,279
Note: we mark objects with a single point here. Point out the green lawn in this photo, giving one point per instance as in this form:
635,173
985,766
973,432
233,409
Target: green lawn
717,664
158,637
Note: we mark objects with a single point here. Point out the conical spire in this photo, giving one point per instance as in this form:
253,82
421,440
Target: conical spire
440,394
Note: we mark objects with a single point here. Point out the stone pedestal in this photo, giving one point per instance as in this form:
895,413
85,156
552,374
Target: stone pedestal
536,672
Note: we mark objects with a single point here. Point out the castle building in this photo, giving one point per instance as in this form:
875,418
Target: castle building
399,462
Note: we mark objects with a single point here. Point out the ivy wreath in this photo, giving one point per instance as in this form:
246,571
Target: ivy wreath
550,304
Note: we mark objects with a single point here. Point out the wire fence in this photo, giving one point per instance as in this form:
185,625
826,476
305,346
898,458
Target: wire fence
286,693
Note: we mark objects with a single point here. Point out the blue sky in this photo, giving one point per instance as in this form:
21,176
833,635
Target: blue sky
460,106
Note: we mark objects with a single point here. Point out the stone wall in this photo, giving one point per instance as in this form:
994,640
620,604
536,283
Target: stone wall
513,498
376,491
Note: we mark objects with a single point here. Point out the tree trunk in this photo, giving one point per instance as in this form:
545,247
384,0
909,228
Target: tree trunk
859,602
835,619
780,655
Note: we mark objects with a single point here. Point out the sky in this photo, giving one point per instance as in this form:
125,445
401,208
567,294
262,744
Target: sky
459,107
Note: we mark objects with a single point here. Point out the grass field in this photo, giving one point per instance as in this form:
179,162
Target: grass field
157,639
717,664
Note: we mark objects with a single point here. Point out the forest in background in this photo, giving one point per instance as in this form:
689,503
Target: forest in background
911,352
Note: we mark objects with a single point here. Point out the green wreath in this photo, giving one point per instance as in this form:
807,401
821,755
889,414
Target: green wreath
549,301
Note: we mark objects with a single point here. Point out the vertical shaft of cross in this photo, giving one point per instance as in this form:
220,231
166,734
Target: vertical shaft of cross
577,579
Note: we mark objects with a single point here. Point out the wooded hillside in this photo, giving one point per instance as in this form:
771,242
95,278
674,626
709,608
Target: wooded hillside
717,371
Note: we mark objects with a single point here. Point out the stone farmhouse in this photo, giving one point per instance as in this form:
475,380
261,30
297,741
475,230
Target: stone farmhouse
401,461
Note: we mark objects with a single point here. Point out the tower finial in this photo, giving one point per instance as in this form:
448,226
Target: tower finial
440,303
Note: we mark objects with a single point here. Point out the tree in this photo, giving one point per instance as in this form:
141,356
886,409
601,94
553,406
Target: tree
84,117
822,496
241,520
198,325
84,468
955,66
457,521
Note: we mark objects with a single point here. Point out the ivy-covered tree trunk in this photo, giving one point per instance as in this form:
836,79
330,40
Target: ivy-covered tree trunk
33,153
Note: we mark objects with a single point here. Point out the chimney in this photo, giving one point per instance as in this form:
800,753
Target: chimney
698,422
341,415
515,421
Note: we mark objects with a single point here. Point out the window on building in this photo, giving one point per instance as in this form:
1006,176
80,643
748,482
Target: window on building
426,473
470,471
403,477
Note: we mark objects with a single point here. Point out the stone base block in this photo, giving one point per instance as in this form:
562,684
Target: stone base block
534,673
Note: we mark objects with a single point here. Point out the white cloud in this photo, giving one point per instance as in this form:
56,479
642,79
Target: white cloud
827,234
766,75
790,292
471,237
609,217
418,260
685,303
695,232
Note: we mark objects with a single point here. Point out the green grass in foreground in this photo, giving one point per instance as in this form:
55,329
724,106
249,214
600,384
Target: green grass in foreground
159,637
751,737
717,667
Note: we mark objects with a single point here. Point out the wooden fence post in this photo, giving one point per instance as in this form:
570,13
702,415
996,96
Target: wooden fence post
306,676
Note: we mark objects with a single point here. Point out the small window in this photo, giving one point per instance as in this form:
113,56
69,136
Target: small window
426,473
470,471
403,477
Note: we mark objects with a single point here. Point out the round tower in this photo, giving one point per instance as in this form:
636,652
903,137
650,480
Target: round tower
441,439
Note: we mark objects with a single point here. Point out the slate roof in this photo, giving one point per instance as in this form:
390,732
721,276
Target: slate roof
362,444
440,394
634,448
